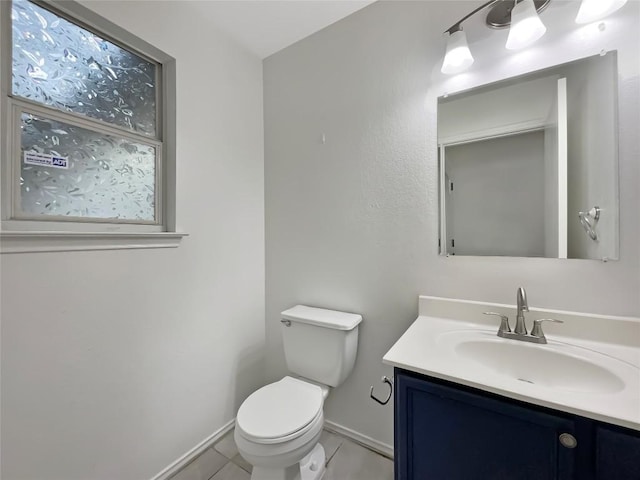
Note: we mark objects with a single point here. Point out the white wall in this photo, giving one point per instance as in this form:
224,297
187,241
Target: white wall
498,196
591,141
496,110
553,191
352,223
116,363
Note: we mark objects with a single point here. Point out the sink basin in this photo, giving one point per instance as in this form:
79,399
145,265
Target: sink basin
589,367
557,366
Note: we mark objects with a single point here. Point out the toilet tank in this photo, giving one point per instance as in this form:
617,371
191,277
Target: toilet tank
320,344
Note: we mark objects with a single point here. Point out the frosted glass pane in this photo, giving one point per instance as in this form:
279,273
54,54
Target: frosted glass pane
96,176
61,65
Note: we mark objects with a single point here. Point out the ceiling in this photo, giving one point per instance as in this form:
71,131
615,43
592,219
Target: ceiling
266,26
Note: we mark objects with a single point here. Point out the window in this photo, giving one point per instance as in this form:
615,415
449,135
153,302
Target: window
87,124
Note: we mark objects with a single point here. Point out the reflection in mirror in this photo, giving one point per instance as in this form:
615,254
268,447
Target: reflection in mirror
529,165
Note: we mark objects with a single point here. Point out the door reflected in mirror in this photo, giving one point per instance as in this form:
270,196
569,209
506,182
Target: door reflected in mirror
529,165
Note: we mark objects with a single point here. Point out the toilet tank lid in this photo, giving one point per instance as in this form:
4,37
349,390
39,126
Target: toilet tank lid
322,317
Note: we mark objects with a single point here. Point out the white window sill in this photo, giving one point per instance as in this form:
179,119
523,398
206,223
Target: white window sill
35,241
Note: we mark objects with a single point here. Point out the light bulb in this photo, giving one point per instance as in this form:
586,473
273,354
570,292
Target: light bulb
592,10
526,26
458,56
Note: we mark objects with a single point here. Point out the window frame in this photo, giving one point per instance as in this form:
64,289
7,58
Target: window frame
20,230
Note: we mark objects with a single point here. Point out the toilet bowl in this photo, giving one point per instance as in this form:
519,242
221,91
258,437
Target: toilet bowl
278,427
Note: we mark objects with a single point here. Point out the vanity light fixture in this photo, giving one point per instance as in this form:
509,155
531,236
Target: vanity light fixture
526,26
592,10
458,57
520,15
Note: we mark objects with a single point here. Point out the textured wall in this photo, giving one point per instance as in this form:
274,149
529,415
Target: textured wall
116,363
352,223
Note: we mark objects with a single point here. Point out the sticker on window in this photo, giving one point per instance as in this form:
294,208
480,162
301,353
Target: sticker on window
46,160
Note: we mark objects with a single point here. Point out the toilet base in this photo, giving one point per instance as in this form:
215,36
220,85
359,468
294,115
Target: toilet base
311,467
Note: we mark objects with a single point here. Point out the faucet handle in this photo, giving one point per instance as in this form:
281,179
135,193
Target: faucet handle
504,324
536,331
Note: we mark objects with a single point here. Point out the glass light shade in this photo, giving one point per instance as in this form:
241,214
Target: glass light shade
592,10
526,26
458,57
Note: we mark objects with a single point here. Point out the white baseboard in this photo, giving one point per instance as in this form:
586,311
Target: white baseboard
370,443
181,462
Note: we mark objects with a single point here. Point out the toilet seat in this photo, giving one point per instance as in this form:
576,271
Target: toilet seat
280,412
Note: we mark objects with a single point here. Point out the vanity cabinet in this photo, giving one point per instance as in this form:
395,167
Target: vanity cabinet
617,454
445,431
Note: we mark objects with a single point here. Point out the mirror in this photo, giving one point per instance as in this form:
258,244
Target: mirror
529,165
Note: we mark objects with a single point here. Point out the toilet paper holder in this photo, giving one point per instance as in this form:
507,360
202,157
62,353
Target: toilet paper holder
386,380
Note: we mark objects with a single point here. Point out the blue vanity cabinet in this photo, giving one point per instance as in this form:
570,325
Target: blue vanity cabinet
617,453
445,432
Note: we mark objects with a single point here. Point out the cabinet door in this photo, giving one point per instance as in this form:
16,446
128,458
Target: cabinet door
447,433
617,454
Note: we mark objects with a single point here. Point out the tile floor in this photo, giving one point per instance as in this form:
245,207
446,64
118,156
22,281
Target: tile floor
346,460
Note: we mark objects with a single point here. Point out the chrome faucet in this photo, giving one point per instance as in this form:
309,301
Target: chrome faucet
522,306
520,332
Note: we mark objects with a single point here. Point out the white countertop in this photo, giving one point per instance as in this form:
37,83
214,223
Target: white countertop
425,348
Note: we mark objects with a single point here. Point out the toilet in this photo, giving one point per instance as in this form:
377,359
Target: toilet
278,427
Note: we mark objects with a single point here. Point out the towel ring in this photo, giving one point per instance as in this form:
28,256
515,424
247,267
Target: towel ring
383,402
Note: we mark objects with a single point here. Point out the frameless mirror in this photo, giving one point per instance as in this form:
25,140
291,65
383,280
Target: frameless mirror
529,165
